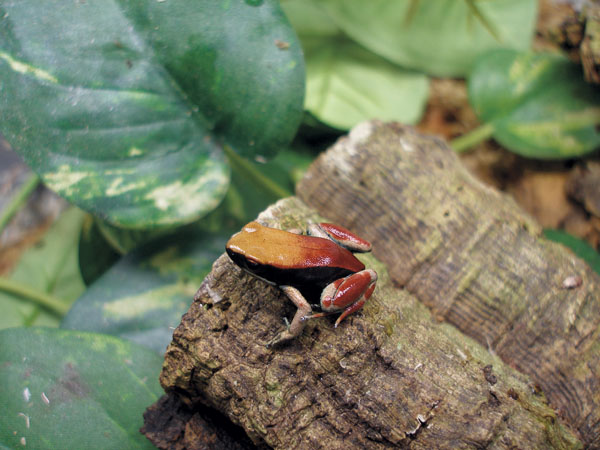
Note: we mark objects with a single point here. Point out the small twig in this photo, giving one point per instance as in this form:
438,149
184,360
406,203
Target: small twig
18,200
484,21
254,174
471,139
42,299
412,10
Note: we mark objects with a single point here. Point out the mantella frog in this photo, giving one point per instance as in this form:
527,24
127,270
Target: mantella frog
303,265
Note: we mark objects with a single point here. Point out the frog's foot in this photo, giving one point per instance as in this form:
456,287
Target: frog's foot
282,337
295,328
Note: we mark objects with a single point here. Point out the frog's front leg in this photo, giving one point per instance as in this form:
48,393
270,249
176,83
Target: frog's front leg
348,294
295,328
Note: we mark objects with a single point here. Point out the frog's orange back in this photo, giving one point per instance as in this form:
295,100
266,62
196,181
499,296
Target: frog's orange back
284,250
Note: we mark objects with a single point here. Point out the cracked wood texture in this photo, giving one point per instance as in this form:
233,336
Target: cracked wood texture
387,377
472,256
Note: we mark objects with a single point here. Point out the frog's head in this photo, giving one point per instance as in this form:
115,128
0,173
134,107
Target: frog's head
247,248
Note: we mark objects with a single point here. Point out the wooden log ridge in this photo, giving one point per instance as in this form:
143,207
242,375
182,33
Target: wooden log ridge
387,377
472,256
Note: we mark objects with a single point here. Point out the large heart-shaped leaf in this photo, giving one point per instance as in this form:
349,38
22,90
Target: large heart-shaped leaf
441,37
123,106
70,389
536,104
347,84
143,296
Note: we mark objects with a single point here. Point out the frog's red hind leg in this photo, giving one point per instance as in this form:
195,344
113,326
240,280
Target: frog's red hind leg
340,235
348,294
355,306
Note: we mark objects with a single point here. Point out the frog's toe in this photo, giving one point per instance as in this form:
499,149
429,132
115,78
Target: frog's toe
281,338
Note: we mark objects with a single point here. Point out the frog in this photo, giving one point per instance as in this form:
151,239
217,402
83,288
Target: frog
319,260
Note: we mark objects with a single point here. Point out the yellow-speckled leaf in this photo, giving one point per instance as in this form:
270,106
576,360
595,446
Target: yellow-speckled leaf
143,296
123,106
537,104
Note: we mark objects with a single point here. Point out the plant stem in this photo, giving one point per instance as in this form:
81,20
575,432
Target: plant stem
248,169
18,200
412,10
471,139
46,301
489,26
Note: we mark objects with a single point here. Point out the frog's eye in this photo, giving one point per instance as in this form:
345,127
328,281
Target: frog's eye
251,262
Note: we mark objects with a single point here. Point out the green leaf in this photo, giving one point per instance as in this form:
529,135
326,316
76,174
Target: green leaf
580,247
67,389
347,84
441,37
49,267
144,295
127,112
537,104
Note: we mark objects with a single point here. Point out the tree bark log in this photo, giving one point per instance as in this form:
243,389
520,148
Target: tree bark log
387,377
472,256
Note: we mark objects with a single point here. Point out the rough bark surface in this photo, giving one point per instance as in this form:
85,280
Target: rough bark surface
388,377
472,256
